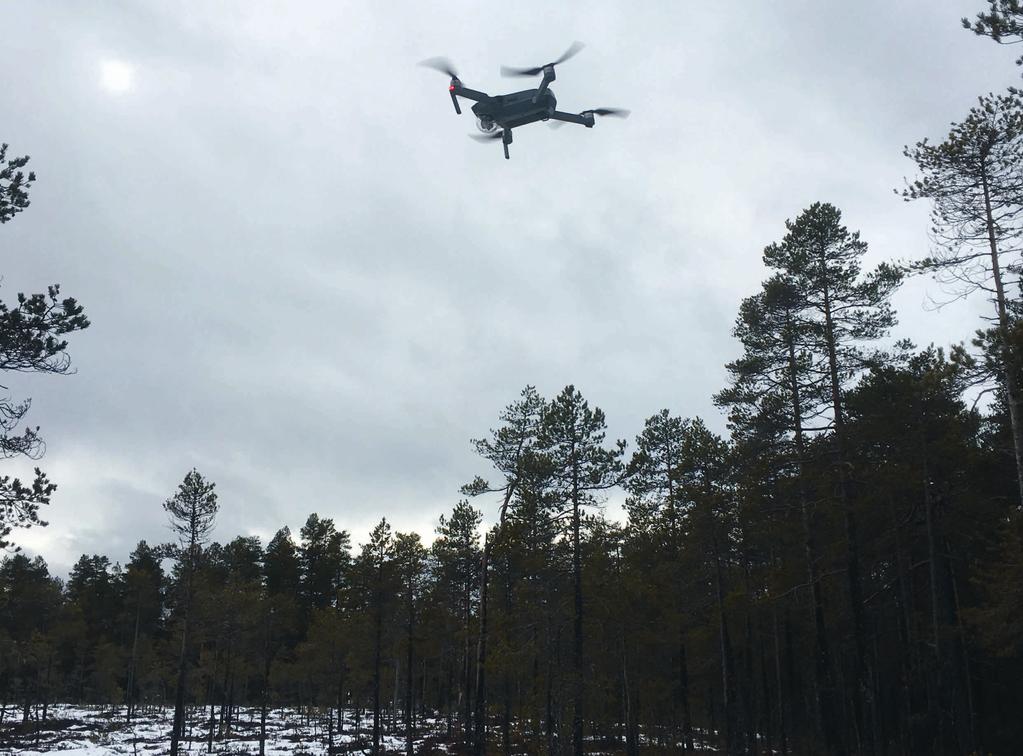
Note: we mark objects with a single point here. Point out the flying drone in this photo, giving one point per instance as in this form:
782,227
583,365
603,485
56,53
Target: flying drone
497,115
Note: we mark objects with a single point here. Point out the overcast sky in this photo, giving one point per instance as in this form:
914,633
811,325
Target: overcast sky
305,281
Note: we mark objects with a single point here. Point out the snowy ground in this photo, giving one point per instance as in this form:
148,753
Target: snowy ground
91,731
101,731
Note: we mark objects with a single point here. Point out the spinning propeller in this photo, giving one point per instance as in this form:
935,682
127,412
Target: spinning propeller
445,67
616,112
570,52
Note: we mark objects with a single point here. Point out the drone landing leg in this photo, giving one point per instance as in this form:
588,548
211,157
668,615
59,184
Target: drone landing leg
506,139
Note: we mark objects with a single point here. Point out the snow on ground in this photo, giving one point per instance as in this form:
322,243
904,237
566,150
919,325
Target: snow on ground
102,731
96,731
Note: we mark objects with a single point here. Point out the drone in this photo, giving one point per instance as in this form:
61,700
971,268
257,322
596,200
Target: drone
497,115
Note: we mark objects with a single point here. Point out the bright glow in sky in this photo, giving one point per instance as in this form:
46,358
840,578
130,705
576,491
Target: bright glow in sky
116,76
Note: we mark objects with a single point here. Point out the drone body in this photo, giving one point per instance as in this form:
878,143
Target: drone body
516,109
497,115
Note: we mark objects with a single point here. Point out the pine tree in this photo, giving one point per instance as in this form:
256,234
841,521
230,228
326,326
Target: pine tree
914,441
705,494
1003,23
410,567
14,184
192,512
974,180
572,438
458,554
30,607
235,595
375,571
820,258
94,597
779,392
143,608
511,449
324,555
999,623
653,507
31,341
281,566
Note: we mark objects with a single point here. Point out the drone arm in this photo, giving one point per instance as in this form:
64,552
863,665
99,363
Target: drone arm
582,119
469,94
456,90
548,77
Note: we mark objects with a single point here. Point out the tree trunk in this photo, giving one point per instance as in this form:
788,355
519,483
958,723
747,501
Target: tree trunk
783,741
551,718
377,636
46,685
1009,356
230,706
266,683
631,746
859,689
395,692
971,744
466,662
225,704
213,705
506,716
506,682
130,687
821,681
330,730
732,728
577,595
409,696
907,653
447,694
747,699
480,739
939,703
340,699
683,676
179,695
480,746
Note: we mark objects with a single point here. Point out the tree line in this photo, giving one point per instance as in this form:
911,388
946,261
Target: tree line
718,612
839,573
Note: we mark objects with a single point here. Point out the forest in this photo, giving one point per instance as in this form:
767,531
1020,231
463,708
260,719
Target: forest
841,573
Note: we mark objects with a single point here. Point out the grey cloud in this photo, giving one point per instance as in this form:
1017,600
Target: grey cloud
307,282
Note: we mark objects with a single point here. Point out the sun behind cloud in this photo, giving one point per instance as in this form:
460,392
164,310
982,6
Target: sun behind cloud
116,76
